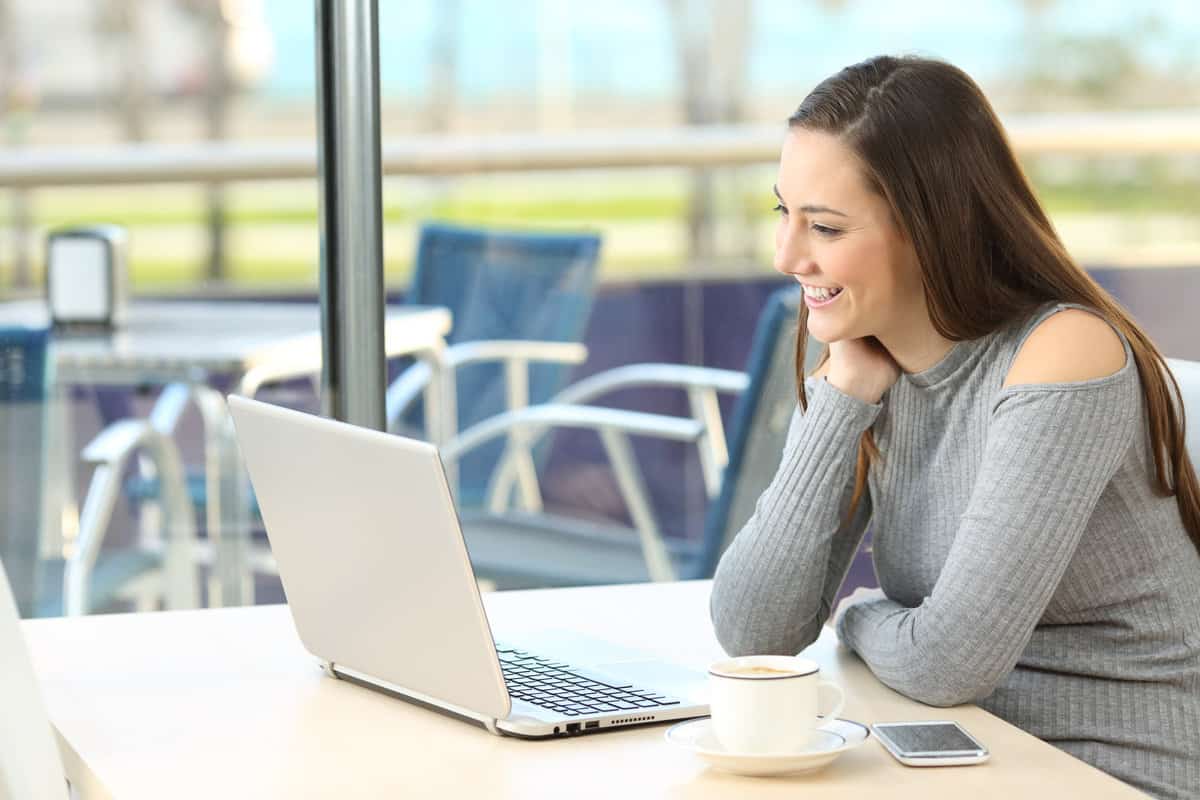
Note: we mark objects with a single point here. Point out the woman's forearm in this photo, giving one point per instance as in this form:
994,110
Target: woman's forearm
775,583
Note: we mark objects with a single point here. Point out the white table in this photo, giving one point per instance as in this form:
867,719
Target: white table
226,703
193,342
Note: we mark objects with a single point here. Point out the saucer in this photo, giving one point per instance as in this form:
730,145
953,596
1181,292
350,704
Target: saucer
830,740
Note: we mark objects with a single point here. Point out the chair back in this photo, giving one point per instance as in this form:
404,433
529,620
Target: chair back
503,285
760,423
1187,375
22,410
29,762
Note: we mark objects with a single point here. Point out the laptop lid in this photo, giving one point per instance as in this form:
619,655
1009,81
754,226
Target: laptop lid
372,559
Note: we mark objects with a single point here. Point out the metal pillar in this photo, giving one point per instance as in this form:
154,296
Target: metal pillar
353,376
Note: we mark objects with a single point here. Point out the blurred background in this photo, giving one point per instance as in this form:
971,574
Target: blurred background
97,73
1101,98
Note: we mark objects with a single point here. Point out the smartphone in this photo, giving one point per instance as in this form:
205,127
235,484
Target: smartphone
930,744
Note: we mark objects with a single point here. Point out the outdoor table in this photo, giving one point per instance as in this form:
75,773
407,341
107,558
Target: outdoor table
194,342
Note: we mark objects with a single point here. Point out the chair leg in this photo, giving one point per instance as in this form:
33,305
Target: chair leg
500,489
145,592
150,522
93,523
147,599
633,490
179,563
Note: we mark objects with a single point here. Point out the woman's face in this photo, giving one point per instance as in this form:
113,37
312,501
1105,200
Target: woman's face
837,238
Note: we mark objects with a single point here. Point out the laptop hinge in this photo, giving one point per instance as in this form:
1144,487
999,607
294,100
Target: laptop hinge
433,704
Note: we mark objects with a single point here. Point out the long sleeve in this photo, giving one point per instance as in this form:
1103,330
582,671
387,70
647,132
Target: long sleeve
774,585
1050,451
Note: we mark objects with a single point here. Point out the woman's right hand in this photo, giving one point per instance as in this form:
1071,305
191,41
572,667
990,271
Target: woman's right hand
861,368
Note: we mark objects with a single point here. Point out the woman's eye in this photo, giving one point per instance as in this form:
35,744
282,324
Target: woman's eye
779,208
825,230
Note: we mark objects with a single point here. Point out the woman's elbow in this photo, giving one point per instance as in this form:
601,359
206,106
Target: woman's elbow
741,637
941,690
938,696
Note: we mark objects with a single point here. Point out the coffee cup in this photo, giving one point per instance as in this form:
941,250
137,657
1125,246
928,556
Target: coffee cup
768,704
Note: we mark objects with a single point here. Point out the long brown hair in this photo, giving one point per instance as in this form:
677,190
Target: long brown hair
933,148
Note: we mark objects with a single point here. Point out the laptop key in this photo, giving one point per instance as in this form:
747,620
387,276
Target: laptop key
612,683
561,687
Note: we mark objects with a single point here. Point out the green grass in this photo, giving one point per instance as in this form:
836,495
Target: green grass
167,274
550,211
610,201
1092,198
1171,198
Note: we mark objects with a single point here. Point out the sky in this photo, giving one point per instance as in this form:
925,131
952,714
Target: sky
624,46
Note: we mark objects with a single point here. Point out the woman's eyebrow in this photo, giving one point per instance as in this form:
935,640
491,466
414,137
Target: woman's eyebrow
811,209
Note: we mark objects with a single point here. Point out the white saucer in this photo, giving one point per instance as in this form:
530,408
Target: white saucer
831,740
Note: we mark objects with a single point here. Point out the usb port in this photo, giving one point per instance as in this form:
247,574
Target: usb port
572,727
595,724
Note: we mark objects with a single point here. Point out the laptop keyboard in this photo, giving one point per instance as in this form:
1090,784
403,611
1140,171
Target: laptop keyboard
571,691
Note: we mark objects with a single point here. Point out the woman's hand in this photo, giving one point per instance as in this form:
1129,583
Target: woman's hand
861,368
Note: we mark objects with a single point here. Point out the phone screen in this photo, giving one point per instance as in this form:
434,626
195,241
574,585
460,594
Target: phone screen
934,737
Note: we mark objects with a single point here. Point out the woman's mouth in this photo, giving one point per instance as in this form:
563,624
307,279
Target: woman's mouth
820,296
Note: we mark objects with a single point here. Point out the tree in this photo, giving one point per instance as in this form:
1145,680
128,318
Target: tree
443,64
215,100
17,99
711,39
121,22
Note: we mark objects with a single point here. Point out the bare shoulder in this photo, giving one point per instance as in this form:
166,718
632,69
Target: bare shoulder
1072,345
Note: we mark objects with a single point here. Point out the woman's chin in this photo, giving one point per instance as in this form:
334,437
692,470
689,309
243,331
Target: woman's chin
826,334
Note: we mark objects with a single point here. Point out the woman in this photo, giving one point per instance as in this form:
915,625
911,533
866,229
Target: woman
1007,430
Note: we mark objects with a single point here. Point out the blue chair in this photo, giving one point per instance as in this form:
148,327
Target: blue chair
521,293
87,578
520,303
516,549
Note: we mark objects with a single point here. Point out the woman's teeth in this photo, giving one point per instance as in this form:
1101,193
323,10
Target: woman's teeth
821,293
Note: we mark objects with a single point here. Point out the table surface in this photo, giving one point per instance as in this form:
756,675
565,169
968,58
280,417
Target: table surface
226,703
207,336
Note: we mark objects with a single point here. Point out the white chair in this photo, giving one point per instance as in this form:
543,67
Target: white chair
1187,375
30,766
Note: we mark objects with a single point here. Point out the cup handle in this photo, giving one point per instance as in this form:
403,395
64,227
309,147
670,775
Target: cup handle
841,699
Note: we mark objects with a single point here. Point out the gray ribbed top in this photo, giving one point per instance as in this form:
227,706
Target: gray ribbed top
1025,562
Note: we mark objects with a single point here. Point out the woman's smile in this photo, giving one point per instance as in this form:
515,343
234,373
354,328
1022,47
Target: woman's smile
820,296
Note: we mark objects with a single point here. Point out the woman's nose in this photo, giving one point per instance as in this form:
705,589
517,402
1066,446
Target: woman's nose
791,256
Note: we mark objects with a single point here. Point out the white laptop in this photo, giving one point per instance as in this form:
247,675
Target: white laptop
381,589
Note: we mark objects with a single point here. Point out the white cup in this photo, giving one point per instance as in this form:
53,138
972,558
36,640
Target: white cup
768,704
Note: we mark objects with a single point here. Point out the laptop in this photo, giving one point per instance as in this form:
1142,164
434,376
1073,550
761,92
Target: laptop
380,587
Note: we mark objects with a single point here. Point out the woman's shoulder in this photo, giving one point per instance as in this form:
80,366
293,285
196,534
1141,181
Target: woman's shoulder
1065,343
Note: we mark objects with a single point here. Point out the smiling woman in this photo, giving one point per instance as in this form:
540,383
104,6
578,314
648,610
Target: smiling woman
1011,436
